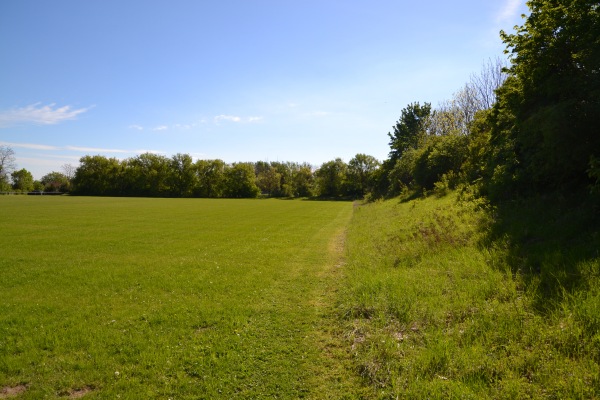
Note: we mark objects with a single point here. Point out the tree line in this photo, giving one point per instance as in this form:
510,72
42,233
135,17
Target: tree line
529,126
21,181
155,175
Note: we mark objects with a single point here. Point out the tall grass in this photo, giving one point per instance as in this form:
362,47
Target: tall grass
169,298
454,299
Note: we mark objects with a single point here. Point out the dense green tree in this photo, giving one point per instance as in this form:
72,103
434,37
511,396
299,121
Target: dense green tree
442,155
473,169
303,181
147,175
98,176
183,178
269,181
331,178
38,186
240,181
55,182
211,178
22,180
409,130
286,172
401,174
361,174
546,121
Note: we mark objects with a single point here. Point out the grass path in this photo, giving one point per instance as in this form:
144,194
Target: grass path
171,298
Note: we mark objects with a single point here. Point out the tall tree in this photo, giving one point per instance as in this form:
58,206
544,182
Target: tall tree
182,175
98,176
211,178
22,180
361,174
240,181
7,166
485,84
269,181
548,114
148,175
68,171
303,181
331,178
409,130
55,182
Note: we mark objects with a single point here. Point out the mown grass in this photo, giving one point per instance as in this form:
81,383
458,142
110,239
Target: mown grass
170,298
455,299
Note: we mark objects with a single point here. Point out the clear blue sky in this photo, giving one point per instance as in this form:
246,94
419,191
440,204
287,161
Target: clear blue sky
239,80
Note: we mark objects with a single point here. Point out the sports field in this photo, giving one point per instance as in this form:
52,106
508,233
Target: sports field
170,298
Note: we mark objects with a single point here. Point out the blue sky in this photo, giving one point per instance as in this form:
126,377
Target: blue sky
252,80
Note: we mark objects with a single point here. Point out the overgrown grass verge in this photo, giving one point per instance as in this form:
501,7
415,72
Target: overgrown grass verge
453,299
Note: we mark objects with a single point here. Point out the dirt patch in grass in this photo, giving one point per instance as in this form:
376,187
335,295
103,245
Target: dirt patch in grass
12,391
79,393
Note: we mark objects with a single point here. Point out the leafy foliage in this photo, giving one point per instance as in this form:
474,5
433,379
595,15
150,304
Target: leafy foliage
409,130
331,178
546,121
22,180
55,182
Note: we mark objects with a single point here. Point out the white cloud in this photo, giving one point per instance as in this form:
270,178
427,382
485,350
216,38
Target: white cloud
95,149
160,128
232,118
32,146
136,127
509,11
39,114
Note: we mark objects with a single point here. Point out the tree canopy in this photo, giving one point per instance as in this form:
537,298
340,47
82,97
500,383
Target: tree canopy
546,121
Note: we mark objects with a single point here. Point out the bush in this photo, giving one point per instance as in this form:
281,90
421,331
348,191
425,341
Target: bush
442,155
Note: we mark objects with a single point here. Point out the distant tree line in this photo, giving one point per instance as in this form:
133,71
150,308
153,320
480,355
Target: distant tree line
155,175
21,181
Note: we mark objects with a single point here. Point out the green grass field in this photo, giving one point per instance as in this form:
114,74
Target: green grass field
436,297
170,298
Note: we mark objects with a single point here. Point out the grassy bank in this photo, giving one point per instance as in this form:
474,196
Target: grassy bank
169,298
448,299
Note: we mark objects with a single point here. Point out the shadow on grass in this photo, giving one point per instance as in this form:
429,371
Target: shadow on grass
347,199
549,241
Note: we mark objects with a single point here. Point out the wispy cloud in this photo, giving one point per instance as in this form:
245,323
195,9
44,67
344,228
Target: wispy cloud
164,127
95,150
234,118
231,118
509,11
39,114
79,149
31,146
